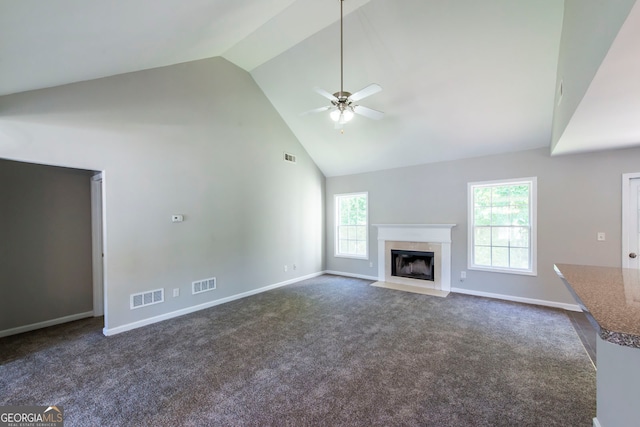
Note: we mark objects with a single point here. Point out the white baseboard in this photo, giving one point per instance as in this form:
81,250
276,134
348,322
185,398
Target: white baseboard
596,423
357,276
570,307
194,308
47,323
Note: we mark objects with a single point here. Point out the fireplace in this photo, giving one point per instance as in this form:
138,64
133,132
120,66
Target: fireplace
412,264
427,255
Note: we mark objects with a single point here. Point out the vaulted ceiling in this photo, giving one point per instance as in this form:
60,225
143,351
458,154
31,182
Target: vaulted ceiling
460,78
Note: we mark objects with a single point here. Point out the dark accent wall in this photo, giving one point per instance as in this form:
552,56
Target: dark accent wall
45,243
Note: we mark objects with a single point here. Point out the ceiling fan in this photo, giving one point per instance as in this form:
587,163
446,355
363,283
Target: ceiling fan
343,104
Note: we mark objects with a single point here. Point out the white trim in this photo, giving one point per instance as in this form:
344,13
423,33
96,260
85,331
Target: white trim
354,256
45,324
546,303
434,233
105,248
596,423
565,306
626,183
144,322
336,253
354,275
97,247
149,321
533,210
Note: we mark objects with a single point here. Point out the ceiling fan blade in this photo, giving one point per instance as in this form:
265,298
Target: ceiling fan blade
326,94
316,110
366,91
368,112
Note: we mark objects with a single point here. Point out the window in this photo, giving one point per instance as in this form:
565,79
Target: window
352,228
502,226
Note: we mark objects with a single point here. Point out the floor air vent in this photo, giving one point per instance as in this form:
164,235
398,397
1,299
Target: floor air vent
147,298
289,158
203,285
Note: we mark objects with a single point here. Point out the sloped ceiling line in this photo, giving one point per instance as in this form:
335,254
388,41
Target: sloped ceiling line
461,78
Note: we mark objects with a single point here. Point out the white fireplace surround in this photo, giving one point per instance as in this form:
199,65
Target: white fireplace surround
419,233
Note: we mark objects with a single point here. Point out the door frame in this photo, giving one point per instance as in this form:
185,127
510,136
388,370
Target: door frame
97,243
626,218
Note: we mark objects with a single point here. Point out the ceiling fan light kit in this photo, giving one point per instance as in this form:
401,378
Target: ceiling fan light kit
343,104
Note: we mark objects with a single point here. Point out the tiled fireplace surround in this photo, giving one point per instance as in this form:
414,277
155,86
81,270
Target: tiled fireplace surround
434,238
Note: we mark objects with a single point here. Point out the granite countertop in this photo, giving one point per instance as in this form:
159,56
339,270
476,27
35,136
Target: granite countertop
610,296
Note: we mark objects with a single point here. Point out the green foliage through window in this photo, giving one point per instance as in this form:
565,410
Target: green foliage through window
502,225
351,225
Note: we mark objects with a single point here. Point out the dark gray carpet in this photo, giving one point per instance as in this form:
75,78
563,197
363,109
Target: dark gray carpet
328,351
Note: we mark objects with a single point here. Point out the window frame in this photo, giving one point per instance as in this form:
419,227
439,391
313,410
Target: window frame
533,226
336,249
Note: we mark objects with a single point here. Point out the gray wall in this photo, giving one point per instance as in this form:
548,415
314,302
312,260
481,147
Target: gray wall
198,139
578,196
45,243
588,29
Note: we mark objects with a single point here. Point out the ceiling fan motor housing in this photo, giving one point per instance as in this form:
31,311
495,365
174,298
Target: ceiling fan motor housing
342,100
342,96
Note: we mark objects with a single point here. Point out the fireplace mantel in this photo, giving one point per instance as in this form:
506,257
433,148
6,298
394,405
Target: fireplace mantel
427,233
436,233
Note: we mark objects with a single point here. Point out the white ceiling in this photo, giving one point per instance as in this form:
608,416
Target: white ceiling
460,78
609,114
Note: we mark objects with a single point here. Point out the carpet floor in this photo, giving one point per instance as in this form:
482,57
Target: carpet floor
328,351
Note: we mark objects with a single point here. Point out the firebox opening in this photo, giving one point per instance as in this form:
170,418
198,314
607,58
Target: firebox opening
412,264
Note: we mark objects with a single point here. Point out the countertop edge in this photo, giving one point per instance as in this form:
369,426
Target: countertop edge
614,337
619,338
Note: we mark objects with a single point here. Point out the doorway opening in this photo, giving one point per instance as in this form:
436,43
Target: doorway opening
52,227
630,220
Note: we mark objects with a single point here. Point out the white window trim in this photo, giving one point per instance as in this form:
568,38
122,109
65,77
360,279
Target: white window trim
533,203
336,222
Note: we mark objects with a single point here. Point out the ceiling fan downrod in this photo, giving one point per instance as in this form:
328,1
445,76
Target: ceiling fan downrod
344,104
341,52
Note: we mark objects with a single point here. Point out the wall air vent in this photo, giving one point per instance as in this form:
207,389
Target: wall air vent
289,158
144,299
203,285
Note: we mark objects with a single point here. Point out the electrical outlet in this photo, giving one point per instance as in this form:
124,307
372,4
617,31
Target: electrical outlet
463,275
176,292
286,268
371,265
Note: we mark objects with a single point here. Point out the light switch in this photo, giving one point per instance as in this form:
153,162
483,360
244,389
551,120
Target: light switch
177,218
601,236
